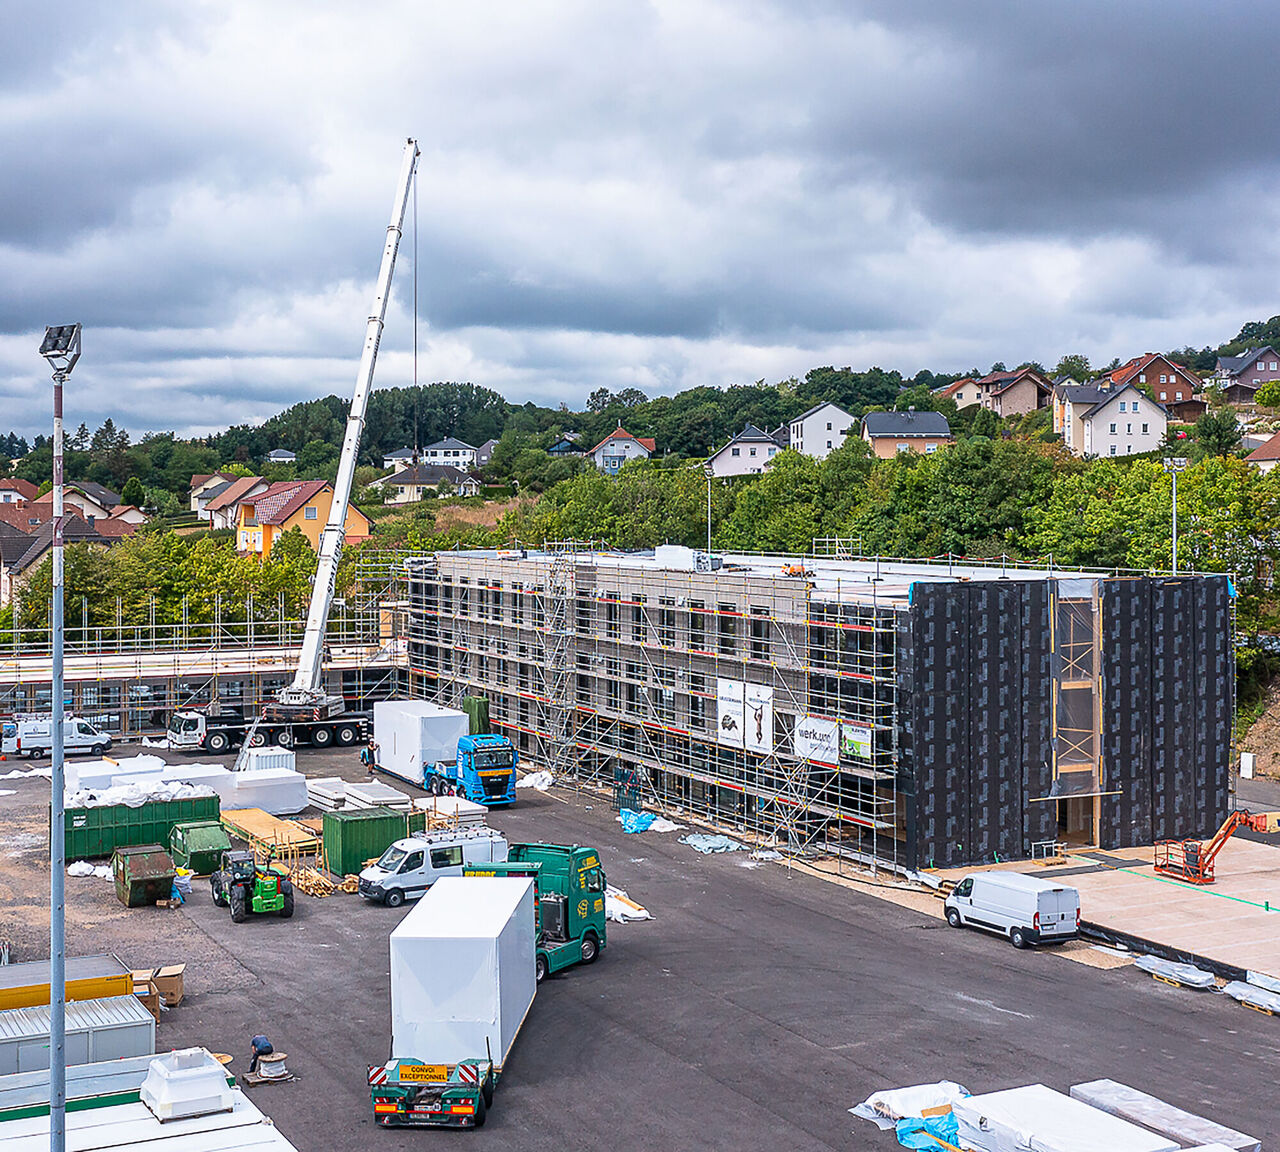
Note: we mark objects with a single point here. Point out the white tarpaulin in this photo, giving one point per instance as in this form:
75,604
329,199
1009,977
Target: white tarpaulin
886,1107
817,740
462,970
620,908
758,718
539,781
729,712
1040,1119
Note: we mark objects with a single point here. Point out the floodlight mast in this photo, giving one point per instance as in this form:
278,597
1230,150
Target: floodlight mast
305,691
61,347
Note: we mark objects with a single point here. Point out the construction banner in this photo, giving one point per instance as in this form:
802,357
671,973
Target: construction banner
758,716
856,741
818,740
730,718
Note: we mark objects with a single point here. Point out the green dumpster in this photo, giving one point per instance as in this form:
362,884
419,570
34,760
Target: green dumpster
143,874
477,708
352,837
90,832
198,845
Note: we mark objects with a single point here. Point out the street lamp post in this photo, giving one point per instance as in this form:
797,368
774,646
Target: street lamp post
1173,465
707,469
61,347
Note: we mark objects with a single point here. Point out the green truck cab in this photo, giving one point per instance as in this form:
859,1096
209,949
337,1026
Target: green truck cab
569,881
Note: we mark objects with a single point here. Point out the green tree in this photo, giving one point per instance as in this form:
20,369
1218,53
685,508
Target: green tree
1268,396
1216,434
1076,365
133,493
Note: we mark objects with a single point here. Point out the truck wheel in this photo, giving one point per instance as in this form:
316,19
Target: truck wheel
394,898
1018,938
540,968
590,948
238,913
953,917
322,737
286,890
217,742
486,1089
97,750
347,735
482,1110
258,740
285,739
433,786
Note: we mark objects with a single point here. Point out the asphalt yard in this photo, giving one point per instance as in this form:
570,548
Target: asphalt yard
757,1006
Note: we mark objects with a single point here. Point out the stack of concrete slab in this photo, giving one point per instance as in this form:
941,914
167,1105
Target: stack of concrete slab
451,811
327,793
374,794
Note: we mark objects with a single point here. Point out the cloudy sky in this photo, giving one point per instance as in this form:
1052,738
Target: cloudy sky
657,194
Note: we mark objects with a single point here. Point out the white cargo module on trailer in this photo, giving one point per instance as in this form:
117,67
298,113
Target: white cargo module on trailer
412,735
462,971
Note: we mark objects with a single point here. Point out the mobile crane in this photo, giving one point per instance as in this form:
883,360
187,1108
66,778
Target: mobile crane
304,710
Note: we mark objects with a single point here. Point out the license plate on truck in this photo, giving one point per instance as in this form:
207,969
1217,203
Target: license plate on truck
424,1073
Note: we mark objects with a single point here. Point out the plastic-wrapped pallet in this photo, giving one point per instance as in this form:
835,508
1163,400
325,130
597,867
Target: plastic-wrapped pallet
1048,1121
278,791
1176,1123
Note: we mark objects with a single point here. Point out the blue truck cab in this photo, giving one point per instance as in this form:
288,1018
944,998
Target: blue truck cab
485,771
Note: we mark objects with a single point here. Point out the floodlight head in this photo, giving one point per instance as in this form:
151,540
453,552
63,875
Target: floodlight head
1175,463
61,346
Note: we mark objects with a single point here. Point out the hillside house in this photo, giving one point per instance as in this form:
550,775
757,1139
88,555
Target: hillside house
890,433
302,504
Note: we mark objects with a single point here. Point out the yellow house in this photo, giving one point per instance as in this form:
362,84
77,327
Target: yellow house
290,504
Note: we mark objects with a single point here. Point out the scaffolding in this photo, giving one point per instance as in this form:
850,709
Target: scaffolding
128,677
620,675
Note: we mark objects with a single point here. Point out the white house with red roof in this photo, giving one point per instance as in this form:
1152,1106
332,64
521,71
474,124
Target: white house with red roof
620,446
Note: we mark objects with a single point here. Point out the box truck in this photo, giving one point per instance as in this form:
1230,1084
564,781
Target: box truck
462,984
434,748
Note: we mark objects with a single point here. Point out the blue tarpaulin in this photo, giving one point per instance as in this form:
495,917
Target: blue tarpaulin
633,821
918,1133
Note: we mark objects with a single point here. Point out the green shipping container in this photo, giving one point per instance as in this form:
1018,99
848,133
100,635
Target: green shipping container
198,845
477,708
91,832
351,838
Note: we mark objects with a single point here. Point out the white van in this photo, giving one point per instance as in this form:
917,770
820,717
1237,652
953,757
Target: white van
1026,909
409,867
33,736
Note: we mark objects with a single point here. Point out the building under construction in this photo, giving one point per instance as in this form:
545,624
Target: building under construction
129,677
911,714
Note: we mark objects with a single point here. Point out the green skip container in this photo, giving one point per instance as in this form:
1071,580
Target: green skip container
143,874
351,838
90,832
198,845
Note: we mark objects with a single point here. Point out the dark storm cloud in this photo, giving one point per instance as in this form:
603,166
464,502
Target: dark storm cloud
1075,119
656,194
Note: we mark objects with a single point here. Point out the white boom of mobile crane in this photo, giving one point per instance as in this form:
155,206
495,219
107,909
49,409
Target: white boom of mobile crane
304,698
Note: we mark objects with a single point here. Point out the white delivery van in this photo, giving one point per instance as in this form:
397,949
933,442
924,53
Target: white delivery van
1025,909
409,867
33,736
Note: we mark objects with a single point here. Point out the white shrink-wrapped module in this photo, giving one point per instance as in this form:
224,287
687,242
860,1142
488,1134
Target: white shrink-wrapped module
412,734
462,970
278,791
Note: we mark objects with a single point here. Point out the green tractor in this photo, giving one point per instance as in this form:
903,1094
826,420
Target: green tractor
244,887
